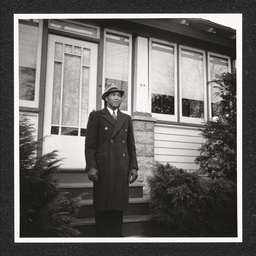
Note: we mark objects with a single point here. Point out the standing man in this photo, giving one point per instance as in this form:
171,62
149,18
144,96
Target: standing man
111,162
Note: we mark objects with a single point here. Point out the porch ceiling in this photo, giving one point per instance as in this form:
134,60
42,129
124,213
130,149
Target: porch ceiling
196,28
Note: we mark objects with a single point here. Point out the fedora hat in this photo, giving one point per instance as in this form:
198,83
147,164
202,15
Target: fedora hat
110,89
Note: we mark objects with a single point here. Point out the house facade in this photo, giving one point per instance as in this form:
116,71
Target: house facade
163,65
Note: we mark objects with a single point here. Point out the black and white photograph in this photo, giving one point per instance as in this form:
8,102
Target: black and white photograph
128,128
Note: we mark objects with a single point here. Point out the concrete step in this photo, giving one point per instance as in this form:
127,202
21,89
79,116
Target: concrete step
73,175
137,206
85,190
133,225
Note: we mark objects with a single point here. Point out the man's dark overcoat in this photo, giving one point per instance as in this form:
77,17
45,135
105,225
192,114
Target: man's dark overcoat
110,148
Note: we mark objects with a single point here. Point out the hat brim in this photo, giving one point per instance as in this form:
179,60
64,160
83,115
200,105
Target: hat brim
104,95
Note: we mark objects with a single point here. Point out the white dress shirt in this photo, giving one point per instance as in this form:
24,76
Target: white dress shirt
111,111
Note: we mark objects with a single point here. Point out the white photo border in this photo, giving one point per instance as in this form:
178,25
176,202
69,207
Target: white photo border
217,18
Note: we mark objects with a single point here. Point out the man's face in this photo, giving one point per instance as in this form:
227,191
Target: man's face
113,100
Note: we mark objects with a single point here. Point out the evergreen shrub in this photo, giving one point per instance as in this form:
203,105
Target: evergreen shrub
44,209
222,207
218,153
185,204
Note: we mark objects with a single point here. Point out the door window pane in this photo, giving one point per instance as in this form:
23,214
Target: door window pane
217,66
68,48
69,131
56,93
162,78
71,90
192,82
58,53
28,44
117,64
86,56
85,96
70,100
77,50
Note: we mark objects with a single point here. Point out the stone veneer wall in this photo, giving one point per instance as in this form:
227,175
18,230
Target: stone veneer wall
143,126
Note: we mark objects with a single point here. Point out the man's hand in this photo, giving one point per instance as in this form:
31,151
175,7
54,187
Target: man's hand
133,175
93,175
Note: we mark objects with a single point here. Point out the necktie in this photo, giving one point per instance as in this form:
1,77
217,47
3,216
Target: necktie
114,115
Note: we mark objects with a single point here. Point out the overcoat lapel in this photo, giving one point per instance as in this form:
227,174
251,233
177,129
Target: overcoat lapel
105,114
119,123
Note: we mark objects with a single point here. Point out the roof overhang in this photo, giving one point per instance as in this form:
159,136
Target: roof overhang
196,28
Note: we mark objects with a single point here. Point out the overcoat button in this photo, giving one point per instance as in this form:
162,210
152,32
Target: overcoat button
106,128
125,130
111,140
123,155
123,141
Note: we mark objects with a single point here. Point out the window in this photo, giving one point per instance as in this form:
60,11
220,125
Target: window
75,28
117,64
194,105
192,85
33,120
163,80
29,61
217,64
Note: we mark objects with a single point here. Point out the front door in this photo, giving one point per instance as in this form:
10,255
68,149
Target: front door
69,98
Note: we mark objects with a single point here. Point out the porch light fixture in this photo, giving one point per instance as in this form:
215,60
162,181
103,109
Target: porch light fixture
184,22
211,30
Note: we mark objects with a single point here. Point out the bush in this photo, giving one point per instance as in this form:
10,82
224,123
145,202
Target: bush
184,204
218,153
222,207
44,209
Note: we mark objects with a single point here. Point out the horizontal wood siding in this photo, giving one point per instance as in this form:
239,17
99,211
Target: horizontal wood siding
177,145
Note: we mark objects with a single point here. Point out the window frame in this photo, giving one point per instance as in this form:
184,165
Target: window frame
164,117
209,76
193,120
128,111
35,102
